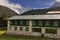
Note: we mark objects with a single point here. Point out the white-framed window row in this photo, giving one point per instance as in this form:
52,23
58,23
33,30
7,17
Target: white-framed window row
36,30
26,29
20,29
51,31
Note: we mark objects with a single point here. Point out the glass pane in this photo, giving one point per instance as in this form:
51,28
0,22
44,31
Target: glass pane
53,31
21,28
27,23
27,29
55,23
40,23
15,22
36,29
51,23
18,22
34,23
21,22
12,22
47,23
15,28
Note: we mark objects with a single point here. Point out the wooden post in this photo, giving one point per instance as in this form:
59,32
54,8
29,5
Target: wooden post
43,30
8,25
30,25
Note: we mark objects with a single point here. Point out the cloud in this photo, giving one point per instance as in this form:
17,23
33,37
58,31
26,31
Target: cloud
44,2
58,0
56,3
15,7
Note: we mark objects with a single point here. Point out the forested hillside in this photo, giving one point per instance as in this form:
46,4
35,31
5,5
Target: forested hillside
4,14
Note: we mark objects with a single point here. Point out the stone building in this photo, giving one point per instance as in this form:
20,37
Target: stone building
35,25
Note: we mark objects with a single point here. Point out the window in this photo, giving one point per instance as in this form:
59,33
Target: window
21,22
12,22
51,23
27,23
40,23
55,23
15,28
47,23
27,29
21,28
51,31
15,22
36,29
34,23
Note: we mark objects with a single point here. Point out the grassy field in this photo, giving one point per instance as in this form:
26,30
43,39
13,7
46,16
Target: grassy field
4,36
2,32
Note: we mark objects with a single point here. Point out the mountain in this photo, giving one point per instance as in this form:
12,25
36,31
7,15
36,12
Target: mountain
41,11
54,9
4,14
4,11
56,4
35,12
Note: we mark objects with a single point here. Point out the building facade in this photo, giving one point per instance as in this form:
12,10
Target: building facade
35,25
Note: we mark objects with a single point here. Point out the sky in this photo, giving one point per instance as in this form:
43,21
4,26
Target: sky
34,3
20,6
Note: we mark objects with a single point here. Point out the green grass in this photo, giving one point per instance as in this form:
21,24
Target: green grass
4,36
2,32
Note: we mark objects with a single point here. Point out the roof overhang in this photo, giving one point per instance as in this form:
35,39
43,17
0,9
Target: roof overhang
35,17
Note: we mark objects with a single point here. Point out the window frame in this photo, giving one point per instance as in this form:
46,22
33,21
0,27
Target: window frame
55,23
47,23
15,28
35,30
34,23
51,31
21,28
27,23
40,23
